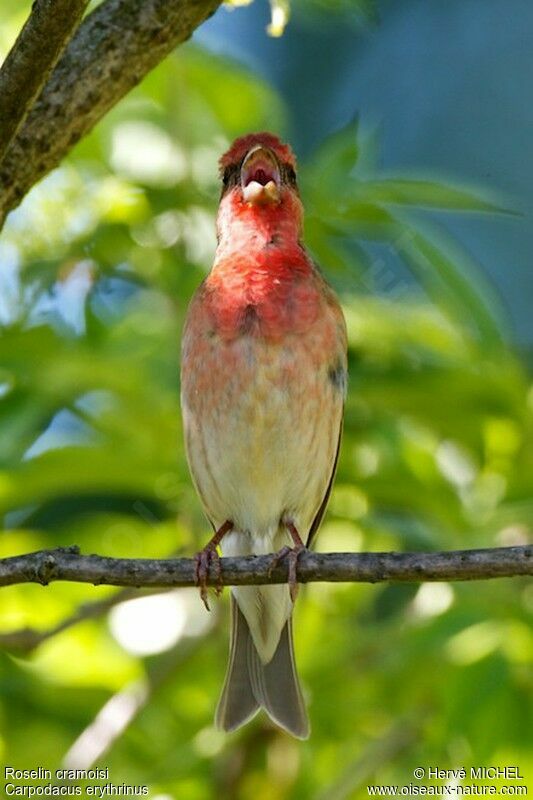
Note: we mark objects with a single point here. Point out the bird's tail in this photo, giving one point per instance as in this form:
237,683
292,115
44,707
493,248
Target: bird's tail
251,685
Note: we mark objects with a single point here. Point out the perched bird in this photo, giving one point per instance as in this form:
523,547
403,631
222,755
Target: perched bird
263,380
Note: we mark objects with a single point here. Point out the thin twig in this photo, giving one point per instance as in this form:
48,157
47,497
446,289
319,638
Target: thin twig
376,756
113,49
67,564
118,713
25,640
31,60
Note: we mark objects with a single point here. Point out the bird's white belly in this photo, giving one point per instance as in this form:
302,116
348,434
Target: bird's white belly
267,445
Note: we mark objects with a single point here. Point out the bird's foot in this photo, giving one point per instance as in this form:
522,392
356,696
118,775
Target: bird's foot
209,558
293,554
205,559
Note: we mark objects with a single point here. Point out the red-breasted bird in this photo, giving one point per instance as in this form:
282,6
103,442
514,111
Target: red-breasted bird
263,380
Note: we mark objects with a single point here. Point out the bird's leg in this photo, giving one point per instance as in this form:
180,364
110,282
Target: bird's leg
293,553
206,557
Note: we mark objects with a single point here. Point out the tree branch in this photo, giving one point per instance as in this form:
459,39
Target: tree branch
114,48
24,640
66,564
31,60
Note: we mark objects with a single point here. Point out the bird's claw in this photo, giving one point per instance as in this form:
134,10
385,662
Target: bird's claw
205,559
293,554
277,558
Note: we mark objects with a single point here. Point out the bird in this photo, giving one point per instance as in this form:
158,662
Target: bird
263,386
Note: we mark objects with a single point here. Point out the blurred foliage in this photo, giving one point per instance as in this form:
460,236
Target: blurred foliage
98,266
360,12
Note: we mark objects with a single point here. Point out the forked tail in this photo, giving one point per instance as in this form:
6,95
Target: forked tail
251,685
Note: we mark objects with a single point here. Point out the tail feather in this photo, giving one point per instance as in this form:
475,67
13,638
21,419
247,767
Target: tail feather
251,685
237,702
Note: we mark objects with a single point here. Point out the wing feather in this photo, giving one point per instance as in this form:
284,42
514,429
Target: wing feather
320,513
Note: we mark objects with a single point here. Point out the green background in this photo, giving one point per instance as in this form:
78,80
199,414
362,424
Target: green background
98,266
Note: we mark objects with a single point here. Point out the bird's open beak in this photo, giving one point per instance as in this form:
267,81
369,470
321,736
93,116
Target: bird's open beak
260,177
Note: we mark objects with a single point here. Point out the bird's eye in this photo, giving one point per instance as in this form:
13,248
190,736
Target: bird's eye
291,175
229,176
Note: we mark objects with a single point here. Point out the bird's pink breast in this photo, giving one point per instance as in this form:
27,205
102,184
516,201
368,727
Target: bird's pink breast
270,294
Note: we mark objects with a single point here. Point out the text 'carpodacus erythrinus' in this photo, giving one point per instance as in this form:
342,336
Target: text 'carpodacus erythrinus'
263,385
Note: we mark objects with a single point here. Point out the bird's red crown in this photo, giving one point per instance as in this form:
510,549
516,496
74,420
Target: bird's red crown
244,144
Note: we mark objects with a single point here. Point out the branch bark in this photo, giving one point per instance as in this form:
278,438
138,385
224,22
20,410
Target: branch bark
67,564
113,49
31,60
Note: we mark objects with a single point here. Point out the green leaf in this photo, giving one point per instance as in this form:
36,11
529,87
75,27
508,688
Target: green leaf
427,194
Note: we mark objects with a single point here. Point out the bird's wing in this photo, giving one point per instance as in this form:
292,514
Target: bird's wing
320,513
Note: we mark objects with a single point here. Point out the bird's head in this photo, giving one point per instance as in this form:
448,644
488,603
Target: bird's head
259,185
